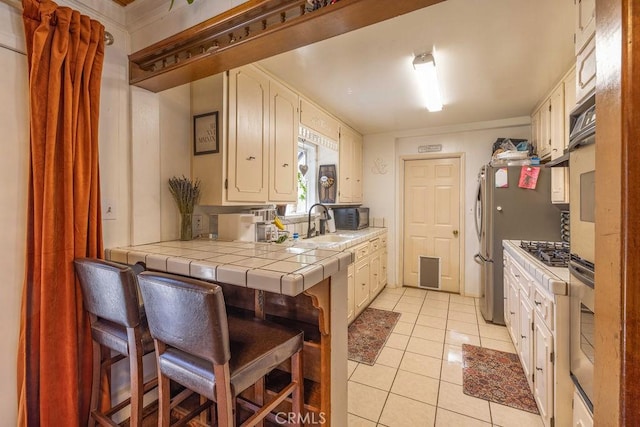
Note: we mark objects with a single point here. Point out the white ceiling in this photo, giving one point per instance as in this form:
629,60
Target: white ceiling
496,59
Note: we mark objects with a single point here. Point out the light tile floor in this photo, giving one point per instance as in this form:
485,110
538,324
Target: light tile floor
417,378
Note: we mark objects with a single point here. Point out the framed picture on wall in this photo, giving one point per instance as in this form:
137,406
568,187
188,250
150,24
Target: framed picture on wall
205,134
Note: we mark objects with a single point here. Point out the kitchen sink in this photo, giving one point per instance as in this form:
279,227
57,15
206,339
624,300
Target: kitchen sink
331,238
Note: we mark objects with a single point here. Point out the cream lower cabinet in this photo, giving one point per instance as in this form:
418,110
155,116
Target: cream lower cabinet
369,275
375,268
529,316
351,306
543,368
361,286
511,302
383,261
525,339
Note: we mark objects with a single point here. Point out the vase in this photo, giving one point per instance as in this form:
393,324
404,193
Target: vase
186,232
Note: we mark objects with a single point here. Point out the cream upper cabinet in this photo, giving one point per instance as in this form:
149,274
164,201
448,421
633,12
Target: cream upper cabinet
585,44
550,131
283,143
535,128
586,71
248,135
350,167
540,130
257,161
356,185
585,25
556,121
569,102
582,417
318,120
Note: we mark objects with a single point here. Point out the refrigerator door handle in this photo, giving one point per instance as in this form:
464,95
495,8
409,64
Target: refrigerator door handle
480,259
478,221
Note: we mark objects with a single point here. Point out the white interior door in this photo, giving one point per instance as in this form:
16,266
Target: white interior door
432,219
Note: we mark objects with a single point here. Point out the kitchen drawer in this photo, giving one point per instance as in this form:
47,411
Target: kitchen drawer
374,245
521,277
361,251
543,305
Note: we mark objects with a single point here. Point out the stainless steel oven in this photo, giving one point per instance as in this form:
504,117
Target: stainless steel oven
582,345
582,175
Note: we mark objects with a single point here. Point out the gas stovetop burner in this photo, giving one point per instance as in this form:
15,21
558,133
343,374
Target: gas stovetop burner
554,254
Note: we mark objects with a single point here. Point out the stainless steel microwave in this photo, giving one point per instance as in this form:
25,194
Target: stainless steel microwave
351,218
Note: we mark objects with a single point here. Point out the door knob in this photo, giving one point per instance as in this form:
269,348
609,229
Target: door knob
455,233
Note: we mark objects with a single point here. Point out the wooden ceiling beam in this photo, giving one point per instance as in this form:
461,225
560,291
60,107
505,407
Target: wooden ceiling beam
252,31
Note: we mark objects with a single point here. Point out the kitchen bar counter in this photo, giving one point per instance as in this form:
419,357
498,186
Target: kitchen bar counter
288,268
301,284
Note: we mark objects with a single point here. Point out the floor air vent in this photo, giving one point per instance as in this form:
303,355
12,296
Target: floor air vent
429,272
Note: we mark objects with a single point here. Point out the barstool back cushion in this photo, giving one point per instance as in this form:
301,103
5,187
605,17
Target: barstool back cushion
109,291
187,314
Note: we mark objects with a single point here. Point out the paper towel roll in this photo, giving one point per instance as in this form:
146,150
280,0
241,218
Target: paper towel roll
331,224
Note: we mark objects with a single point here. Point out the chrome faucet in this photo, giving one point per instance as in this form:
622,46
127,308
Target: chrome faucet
323,221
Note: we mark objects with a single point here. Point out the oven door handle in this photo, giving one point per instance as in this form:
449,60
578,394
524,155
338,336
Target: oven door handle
579,272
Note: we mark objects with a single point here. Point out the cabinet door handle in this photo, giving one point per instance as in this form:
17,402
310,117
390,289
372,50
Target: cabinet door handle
512,312
251,158
537,302
539,369
285,165
523,336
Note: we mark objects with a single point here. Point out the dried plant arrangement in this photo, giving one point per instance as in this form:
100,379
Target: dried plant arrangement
185,192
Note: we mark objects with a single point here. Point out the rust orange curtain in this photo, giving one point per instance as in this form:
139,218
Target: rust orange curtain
65,52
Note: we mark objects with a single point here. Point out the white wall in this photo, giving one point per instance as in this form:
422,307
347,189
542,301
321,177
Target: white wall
14,170
14,157
381,157
175,153
150,21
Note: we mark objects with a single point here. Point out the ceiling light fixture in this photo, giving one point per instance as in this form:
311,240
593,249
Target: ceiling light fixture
425,65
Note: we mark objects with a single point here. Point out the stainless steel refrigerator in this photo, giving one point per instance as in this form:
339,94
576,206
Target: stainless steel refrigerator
509,213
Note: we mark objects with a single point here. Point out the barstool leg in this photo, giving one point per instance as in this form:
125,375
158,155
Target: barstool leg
223,395
297,375
259,396
164,401
164,397
137,376
95,382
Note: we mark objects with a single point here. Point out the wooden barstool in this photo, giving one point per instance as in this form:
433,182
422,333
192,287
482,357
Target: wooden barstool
214,354
118,324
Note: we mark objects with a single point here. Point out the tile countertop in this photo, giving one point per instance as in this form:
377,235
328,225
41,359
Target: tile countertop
554,279
288,268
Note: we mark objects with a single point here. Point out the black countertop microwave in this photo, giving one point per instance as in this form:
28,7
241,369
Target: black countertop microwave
351,218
